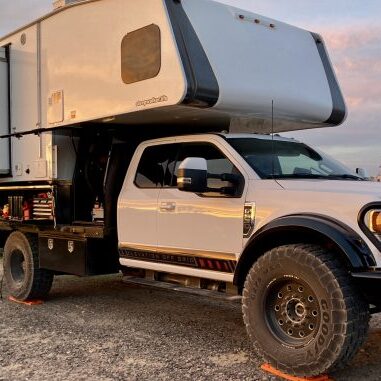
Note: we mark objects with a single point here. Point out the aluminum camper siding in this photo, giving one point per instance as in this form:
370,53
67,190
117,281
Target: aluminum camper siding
77,50
258,60
81,48
219,66
230,61
28,155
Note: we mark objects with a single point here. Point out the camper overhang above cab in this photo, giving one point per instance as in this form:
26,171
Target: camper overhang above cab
188,62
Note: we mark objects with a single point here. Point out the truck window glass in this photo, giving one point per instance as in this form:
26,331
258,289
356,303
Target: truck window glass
141,54
154,167
288,159
217,162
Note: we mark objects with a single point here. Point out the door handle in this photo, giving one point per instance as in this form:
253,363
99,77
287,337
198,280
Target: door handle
167,207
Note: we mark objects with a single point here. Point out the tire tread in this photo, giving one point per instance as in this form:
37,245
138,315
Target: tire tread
352,333
39,282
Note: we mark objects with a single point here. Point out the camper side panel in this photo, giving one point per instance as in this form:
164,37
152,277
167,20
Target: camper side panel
24,81
257,60
83,48
31,154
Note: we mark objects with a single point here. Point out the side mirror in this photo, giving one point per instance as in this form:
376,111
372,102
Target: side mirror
192,175
362,173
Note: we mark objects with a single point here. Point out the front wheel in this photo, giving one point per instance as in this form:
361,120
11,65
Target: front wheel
302,312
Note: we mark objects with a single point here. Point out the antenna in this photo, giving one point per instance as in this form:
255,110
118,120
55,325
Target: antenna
272,140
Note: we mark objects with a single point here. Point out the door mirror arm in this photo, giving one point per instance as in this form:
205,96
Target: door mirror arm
229,177
192,176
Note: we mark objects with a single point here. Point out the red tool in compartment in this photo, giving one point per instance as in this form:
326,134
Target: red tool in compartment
27,210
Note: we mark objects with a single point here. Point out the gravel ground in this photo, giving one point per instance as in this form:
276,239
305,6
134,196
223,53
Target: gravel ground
104,329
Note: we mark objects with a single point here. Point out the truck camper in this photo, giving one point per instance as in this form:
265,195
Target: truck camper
145,139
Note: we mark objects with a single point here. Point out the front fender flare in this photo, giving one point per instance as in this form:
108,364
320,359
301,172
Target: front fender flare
355,251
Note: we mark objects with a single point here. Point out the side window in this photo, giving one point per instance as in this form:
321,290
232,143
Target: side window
141,54
154,166
217,163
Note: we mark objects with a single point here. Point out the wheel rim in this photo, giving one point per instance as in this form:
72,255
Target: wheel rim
292,311
18,266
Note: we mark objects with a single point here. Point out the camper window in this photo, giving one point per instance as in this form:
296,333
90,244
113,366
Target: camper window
141,54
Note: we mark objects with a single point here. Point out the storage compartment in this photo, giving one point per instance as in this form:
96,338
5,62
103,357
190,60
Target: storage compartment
76,254
23,205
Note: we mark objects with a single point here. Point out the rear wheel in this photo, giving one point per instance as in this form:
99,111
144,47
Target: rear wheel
23,277
302,312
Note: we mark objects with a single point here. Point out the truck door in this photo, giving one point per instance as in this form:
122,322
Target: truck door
204,227
137,205
4,112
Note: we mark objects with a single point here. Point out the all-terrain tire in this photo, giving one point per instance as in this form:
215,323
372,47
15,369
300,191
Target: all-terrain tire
24,279
302,312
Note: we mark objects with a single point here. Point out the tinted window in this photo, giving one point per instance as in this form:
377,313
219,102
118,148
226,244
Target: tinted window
154,167
288,159
141,54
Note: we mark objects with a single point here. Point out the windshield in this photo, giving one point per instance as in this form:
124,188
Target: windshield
287,159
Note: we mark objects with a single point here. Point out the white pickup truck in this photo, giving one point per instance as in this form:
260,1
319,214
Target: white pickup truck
292,228
84,192
296,232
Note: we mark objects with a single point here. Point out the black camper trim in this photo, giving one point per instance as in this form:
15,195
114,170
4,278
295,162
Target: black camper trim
339,110
203,89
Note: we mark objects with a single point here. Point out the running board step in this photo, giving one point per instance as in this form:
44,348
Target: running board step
174,287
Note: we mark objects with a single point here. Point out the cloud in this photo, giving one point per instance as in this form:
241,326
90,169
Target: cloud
351,35
16,13
357,58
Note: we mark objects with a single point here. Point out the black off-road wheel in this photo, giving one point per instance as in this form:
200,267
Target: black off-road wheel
302,311
23,277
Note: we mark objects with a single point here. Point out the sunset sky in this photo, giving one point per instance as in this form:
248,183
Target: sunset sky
352,30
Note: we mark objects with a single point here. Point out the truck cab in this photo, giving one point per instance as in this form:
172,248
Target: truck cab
253,181
297,233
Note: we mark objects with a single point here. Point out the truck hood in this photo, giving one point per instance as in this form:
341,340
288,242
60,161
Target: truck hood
366,188
341,200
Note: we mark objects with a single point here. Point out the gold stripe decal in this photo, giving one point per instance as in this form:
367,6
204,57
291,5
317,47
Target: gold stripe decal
215,261
186,252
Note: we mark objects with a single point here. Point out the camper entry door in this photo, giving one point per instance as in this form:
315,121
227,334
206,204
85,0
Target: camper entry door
4,112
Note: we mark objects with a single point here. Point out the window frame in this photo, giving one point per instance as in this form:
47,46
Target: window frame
144,149
179,145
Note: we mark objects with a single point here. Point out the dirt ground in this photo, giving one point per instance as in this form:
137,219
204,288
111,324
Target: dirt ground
104,329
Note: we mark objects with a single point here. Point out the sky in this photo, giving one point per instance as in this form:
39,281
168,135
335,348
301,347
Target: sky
352,31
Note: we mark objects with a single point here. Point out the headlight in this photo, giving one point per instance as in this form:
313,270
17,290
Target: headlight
369,220
374,223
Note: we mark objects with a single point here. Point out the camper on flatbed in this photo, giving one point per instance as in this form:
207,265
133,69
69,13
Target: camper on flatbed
146,138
